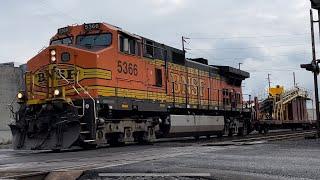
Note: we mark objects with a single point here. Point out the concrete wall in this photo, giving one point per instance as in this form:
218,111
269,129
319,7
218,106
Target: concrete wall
11,81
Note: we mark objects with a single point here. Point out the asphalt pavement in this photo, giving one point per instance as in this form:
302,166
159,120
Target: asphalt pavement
299,159
291,159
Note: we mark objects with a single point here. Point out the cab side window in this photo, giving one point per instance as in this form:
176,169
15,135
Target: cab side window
226,96
158,78
129,45
148,49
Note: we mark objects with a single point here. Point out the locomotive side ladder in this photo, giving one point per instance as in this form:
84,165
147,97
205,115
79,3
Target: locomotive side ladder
87,131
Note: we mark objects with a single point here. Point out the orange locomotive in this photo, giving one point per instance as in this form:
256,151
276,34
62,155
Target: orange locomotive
98,84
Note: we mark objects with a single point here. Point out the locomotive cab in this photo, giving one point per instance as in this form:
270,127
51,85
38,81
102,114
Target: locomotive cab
64,102
56,110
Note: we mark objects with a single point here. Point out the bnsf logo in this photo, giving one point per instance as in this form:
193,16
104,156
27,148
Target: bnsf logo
195,85
69,72
41,77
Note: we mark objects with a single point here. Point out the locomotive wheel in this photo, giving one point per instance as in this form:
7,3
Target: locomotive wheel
88,146
116,140
230,132
196,137
220,134
140,138
293,128
306,127
260,129
56,150
241,131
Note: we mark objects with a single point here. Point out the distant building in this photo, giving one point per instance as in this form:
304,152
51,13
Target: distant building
11,81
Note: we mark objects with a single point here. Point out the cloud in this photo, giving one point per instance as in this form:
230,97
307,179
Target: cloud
167,7
267,17
266,36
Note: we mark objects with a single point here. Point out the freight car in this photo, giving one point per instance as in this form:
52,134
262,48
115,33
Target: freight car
97,84
282,109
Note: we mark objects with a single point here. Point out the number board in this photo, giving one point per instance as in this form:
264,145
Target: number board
64,30
91,26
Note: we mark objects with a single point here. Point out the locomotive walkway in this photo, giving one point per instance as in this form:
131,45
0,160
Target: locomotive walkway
261,159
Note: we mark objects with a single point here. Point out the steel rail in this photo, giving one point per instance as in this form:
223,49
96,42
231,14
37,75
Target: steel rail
283,135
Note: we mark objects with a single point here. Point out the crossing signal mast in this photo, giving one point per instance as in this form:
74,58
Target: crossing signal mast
315,4
313,66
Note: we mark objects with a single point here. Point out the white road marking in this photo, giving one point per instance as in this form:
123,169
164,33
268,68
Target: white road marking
154,174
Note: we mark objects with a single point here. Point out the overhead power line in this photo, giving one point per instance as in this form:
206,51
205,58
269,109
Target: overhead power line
244,37
244,57
272,70
249,47
46,5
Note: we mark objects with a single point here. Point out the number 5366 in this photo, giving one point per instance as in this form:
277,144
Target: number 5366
127,68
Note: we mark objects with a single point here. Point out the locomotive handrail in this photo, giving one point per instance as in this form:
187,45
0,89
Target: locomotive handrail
44,47
86,92
83,103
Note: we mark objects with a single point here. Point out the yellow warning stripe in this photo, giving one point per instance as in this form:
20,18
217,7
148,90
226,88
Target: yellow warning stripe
137,94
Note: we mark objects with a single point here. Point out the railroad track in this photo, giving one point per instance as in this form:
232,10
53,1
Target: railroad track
279,136
253,136
115,159
267,138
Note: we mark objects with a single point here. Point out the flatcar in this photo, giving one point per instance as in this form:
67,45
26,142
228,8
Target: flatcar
97,84
282,109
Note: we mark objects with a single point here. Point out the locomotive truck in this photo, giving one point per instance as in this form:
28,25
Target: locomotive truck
97,84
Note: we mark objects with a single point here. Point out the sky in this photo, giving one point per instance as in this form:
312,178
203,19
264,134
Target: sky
265,36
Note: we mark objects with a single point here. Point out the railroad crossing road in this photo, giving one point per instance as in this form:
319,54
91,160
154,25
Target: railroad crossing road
260,160
26,161
277,160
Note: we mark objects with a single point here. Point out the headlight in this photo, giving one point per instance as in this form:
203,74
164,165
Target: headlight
56,92
53,58
53,52
20,95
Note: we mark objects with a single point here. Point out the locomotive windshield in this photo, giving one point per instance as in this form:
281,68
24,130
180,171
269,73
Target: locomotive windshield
66,41
95,40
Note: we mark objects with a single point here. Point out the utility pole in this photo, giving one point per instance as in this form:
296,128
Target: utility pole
269,82
239,65
315,74
294,79
183,40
